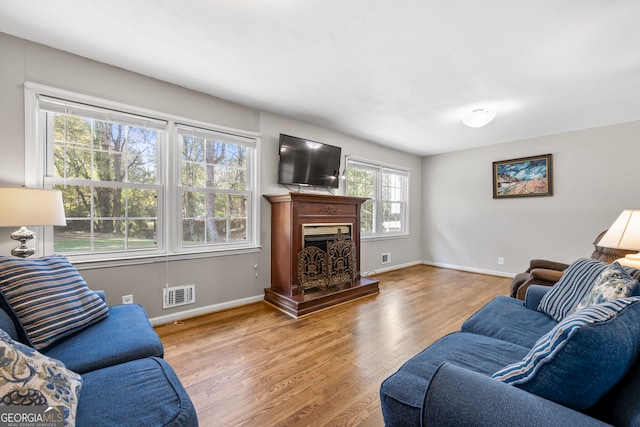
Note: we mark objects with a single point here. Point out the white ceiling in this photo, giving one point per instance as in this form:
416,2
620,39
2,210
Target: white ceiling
395,72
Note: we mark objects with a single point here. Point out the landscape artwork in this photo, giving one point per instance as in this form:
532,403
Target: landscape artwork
525,177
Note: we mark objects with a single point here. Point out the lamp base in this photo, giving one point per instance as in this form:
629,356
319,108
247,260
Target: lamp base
631,260
23,235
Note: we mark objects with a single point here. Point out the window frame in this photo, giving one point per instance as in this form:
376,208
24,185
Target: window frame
48,105
168,169
379,169
200,132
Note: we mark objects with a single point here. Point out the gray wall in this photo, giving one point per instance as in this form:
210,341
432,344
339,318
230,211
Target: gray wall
595,172
221,281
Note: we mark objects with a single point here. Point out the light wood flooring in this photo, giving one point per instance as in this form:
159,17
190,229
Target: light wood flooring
255,366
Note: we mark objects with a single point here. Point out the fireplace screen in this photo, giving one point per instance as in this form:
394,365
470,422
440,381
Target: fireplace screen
327,264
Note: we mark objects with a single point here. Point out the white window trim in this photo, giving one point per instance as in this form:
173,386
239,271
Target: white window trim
34,177
205,132
379,235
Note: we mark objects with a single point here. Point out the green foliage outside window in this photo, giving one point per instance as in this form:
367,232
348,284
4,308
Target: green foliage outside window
214,202
139,183
95,163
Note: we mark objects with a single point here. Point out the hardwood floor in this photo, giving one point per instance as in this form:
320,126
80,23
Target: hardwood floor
255,366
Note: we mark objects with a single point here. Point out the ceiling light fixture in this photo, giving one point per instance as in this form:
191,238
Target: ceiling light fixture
478,118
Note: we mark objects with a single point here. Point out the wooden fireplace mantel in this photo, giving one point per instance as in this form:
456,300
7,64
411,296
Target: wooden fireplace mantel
290,213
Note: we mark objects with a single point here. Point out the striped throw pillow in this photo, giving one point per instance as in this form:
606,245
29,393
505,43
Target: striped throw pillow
575,283
49,298
582,357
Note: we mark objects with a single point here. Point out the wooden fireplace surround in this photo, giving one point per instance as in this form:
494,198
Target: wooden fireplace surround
290,212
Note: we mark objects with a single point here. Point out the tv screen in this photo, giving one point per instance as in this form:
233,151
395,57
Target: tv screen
305,162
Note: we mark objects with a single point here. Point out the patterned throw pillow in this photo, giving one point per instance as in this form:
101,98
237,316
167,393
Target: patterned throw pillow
582,357
49,298
576,281
612,283
30,378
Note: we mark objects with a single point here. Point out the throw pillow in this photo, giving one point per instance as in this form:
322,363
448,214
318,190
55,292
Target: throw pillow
582,357
612,283
49,298
30,378
576,281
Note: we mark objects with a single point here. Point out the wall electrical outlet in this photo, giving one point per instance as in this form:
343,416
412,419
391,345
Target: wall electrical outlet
386,258
127,299
500,260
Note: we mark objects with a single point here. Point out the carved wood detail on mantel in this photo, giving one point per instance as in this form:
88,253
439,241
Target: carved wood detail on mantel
329,210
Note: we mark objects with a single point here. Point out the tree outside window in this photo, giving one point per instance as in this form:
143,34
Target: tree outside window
107,174
214,188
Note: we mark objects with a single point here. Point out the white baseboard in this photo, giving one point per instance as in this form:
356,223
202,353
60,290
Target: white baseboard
470,269
385,269
155,321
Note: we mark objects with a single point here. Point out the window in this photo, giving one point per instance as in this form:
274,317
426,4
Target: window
135,185
106,165
386,211
214,193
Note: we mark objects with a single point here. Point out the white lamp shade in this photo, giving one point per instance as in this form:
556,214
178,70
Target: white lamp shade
20,206
624,233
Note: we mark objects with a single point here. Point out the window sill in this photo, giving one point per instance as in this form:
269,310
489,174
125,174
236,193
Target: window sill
372,238
88,264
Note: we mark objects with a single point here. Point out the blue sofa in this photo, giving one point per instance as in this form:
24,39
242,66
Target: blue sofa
117,354
513,363
125,381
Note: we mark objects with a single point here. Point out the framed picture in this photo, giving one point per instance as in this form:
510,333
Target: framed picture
525,177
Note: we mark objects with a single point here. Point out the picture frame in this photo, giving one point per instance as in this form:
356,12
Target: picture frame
524,177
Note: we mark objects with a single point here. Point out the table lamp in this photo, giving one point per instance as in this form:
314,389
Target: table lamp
22,207
624,233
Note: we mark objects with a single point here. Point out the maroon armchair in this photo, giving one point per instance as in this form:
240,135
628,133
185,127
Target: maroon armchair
547,273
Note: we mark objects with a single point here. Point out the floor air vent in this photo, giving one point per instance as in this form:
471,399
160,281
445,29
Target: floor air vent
178,295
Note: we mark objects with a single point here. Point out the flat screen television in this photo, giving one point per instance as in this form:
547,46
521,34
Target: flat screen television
306,162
